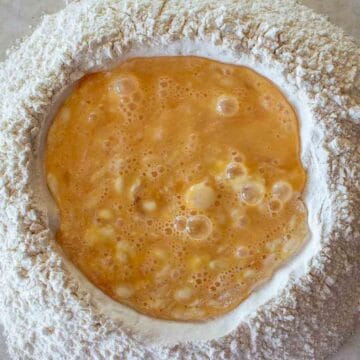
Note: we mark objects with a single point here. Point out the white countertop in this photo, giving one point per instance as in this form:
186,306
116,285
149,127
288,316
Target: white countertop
17,17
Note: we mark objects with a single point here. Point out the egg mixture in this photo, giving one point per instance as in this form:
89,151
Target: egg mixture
178,181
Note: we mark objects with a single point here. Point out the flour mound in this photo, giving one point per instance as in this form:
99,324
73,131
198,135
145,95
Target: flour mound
309,307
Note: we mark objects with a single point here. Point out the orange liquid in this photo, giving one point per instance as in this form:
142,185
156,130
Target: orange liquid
178,181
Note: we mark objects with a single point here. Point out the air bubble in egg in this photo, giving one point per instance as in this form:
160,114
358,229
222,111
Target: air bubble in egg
227,105
252,193
198,227
282,191
126,85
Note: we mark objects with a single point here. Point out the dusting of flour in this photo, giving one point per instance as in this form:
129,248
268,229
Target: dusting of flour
308,308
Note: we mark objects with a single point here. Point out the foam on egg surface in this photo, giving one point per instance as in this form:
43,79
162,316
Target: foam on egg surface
177,179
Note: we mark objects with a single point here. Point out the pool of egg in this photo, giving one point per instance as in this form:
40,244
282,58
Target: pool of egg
178,181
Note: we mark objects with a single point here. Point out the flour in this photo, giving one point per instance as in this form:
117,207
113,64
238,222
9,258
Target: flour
308,308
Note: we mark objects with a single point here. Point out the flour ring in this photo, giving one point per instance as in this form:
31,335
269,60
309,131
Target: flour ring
308,308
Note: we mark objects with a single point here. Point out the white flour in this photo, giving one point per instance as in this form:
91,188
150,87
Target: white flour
309,307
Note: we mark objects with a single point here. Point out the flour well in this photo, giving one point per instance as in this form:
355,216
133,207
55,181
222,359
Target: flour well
52,312
169,332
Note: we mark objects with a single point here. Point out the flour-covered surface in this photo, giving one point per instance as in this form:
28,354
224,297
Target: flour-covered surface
344,13
48,312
